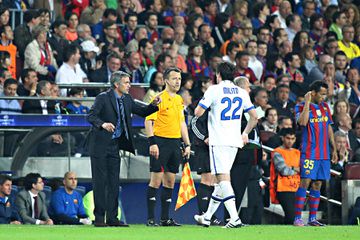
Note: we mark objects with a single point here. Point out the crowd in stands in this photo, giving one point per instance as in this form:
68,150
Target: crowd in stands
281,46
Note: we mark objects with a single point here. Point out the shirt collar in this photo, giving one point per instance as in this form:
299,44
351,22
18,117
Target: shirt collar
32,195
3,199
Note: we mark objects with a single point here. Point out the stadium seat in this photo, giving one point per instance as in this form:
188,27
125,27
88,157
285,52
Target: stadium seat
47,190
81,190
352,171
265,135
137,92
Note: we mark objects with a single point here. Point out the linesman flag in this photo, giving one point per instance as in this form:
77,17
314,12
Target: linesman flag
187,187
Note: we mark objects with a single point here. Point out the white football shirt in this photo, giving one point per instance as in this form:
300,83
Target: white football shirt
227,103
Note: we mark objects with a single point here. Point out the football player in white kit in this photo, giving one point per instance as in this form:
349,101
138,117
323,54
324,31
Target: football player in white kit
227,103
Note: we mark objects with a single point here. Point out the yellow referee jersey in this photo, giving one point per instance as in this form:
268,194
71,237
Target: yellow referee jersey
167,121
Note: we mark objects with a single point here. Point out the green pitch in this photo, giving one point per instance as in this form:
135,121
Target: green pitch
187,232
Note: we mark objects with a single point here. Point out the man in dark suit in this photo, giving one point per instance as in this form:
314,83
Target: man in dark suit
111,131
31,201
103,74
354,136
40,106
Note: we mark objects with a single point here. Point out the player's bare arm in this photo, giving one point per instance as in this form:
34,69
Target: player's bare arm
304,115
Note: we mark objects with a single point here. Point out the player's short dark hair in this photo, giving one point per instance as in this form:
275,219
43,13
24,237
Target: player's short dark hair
226,71
31,179
170,70
317,85
4,178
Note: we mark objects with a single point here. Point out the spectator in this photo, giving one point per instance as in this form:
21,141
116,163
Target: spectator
309,7
283,12
156,86
354,79
247,32
84,33
10,106
72,21
209,8
29,82
279,36
70,71
31,201
4,16
124,8
132,67
192,29
152,27
260,99
111,34
300,40
282,102
339,21
88,59
341,106
175,9
162,62
317,28
179,37
231,51
97,30
58,41
242,66
293,64
39,55
236,37
6,45
74,6
276,140
272,23
131,21
240,12
275,65
331,47
264,35
344,157
293,23
308,61
254,63
92,14
23,33
317,73
139,34
344,124
66,204
261,11
45,17
8,211
196,63
146,53
207,41
271,120
354,136
286,174
155,6
352,14
220,32
270,84
351,50
341,64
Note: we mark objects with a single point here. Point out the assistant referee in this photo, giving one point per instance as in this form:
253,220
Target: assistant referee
165,129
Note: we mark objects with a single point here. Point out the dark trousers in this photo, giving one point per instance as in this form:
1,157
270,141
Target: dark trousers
239,174
287,202
105,177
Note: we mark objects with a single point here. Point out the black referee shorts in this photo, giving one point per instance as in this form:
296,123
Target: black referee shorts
202,159
170,155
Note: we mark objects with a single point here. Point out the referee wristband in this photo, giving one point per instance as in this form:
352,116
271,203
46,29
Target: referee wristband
151,140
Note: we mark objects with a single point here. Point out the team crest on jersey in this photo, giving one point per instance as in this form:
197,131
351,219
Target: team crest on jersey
318,112
307,172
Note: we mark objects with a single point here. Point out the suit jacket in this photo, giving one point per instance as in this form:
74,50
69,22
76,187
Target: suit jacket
23,203
34,106
105,110
354,143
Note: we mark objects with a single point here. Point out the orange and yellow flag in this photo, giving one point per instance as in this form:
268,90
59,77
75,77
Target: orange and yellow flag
187,187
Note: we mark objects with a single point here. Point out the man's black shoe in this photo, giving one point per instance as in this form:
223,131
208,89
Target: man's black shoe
151,223
117,224
100,224
169,223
